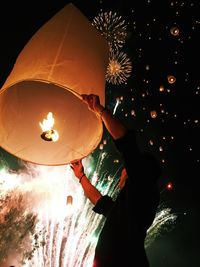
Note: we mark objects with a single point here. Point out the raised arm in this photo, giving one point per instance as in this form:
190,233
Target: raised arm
90,191
114,126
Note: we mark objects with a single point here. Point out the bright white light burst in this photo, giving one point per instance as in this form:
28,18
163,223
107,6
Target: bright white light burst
112,27
119,68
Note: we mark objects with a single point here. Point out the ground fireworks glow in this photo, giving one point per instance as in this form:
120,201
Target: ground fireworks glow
164,221
65,232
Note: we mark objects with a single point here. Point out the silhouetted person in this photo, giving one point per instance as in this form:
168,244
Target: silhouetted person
122,238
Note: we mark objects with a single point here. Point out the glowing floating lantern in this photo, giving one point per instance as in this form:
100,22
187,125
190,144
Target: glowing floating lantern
174,30
65,58
171,79
153,114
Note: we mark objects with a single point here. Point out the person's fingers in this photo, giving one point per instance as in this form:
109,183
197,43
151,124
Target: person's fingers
77,163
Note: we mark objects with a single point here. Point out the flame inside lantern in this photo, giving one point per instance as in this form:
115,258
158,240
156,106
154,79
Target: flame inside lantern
49,134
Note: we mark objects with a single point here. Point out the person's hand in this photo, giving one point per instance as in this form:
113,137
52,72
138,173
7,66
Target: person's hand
78,168
93,102
123,178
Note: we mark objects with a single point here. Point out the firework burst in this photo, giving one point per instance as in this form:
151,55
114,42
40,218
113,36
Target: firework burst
164,221
119,68
112,27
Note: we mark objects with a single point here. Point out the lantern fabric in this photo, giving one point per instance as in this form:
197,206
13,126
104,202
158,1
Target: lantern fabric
65,58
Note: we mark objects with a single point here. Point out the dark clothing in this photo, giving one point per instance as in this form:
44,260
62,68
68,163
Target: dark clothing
121,241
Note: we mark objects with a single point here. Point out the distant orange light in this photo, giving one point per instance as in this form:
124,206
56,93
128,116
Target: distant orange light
171,79
69,200
169,186
153,114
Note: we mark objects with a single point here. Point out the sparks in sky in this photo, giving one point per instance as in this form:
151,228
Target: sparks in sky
112,27
116,105
119,68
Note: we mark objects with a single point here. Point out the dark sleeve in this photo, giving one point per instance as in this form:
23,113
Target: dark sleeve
103,205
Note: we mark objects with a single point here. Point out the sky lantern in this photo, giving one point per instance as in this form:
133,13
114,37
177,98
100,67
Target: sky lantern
174,30
171,79
153,114
42,116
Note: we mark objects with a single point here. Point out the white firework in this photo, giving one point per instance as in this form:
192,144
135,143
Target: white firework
119,68
112,27
164,221
65,232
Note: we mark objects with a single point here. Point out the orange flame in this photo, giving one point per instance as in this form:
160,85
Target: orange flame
47,128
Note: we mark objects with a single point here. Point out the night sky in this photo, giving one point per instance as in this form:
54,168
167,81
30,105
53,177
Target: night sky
163,49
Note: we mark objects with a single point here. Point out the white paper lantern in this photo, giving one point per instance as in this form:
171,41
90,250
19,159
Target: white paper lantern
65,58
